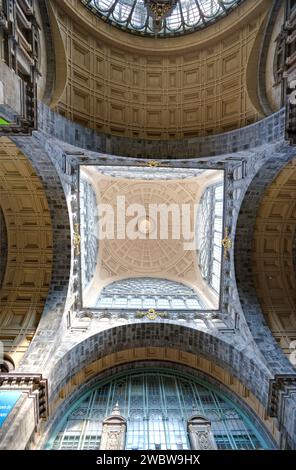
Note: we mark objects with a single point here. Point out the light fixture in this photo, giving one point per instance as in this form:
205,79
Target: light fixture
159,10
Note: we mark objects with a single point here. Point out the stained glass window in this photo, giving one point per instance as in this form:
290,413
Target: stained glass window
157,405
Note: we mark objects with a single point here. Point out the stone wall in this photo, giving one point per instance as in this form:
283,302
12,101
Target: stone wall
269,130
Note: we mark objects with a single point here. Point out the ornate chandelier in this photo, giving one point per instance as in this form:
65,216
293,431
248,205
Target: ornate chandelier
159,10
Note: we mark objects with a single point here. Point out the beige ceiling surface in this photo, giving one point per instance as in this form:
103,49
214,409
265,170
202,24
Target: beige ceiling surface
163,258
173,88
274,245
30,251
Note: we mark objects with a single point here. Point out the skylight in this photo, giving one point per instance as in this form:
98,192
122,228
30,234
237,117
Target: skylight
161,18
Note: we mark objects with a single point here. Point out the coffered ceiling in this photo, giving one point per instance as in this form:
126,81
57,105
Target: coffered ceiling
274,256
198,84
27,273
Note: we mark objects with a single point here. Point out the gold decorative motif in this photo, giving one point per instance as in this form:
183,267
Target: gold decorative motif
226,243
151,314
159,9
153,164
76,239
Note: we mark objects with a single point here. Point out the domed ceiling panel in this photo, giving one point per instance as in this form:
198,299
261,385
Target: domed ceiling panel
274,257
152,229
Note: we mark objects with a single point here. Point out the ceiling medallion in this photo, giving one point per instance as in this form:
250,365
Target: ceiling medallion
159,10
151,314
146,226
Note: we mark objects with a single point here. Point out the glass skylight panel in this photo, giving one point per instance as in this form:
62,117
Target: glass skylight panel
178,303
163,303
122,11
135,303
210,8
174,21
105,302
120,302
185,16
193,303
149,302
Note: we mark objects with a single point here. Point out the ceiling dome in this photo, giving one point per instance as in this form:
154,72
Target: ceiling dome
161,18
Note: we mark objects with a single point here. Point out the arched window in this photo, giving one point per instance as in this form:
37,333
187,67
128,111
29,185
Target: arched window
88,230
156,404
209,235
145,293
164,18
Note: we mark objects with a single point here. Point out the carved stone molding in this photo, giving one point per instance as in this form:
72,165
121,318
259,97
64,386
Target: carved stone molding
200,434
20,58
114,431
35,384
281,386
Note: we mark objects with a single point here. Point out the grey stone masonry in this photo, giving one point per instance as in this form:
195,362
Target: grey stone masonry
243,256
230,355
68,338
269,130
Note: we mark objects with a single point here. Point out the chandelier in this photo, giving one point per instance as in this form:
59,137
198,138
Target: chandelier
159,10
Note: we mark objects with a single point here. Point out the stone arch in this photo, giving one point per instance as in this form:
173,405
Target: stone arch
274,256
243,253
241,364
49,328
27,269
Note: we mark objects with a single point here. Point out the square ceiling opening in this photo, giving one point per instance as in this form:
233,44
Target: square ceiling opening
151,238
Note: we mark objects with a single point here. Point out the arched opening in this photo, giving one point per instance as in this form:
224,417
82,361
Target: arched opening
157,404
146,293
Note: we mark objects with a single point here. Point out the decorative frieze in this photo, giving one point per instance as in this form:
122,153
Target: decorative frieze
281,386
35,384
